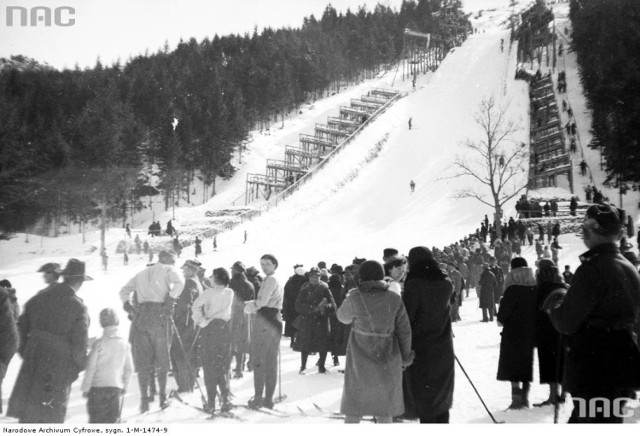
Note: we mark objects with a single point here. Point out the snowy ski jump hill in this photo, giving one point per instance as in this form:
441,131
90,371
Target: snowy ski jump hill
359,204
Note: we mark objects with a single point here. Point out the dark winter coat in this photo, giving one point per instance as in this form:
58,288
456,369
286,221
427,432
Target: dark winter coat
499,275
547,337
8,336
339,332
289,313
517,314
182,356
379,343
598,313
313,320
53,345
427,296
487,288
242,291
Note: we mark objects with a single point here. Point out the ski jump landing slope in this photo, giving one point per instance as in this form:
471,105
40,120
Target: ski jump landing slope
361,201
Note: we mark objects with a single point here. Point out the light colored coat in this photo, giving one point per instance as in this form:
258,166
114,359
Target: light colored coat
110,363
379,342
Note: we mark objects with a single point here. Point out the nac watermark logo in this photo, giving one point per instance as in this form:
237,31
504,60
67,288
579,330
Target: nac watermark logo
603,407
19,16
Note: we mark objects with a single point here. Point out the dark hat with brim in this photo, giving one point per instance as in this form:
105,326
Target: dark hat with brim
50,267
75,268
315,271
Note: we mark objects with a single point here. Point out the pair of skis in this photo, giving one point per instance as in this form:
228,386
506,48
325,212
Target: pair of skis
227,414
326,414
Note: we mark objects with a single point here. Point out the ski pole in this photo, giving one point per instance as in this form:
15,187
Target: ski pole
477,393
120,411
186,358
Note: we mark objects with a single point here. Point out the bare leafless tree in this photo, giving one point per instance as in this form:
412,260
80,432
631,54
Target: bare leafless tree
496,161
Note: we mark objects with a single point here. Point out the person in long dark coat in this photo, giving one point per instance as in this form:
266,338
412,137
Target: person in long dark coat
53,346
314,305
486,290
8,336
243,291
338,340
548,340
291,291
517,315
184,351
427,296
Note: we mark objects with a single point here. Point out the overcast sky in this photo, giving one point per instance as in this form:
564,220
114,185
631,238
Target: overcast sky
115,29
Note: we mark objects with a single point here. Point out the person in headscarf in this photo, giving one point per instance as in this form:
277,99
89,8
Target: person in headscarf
517,316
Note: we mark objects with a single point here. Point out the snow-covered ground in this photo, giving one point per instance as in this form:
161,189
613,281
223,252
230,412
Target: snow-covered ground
351,208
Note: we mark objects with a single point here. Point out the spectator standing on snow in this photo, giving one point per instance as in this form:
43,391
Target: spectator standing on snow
212,313
265,334
583,169
184,358
410,119
314,305
412,185
108,372
599,315
198,246
517,316
567,275
339,333
548,279
8,333
291,291
53,345
427,296
486,290
149,298
379,348
243,291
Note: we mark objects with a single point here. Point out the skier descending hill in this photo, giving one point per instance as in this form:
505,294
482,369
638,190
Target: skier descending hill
154,290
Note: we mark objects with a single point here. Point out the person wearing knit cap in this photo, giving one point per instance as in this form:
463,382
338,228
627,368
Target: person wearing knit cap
427,297
291,291
149,298
53,345
243,291
379,348
599,314
314,305
517,316
108,372
184,359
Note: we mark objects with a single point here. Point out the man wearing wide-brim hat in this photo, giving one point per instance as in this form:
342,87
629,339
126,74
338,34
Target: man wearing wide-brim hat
183,358
149,298
53,345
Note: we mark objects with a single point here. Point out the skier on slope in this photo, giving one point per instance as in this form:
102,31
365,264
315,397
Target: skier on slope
155,290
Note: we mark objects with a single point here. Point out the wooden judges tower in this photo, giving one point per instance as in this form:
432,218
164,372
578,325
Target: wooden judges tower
312,149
